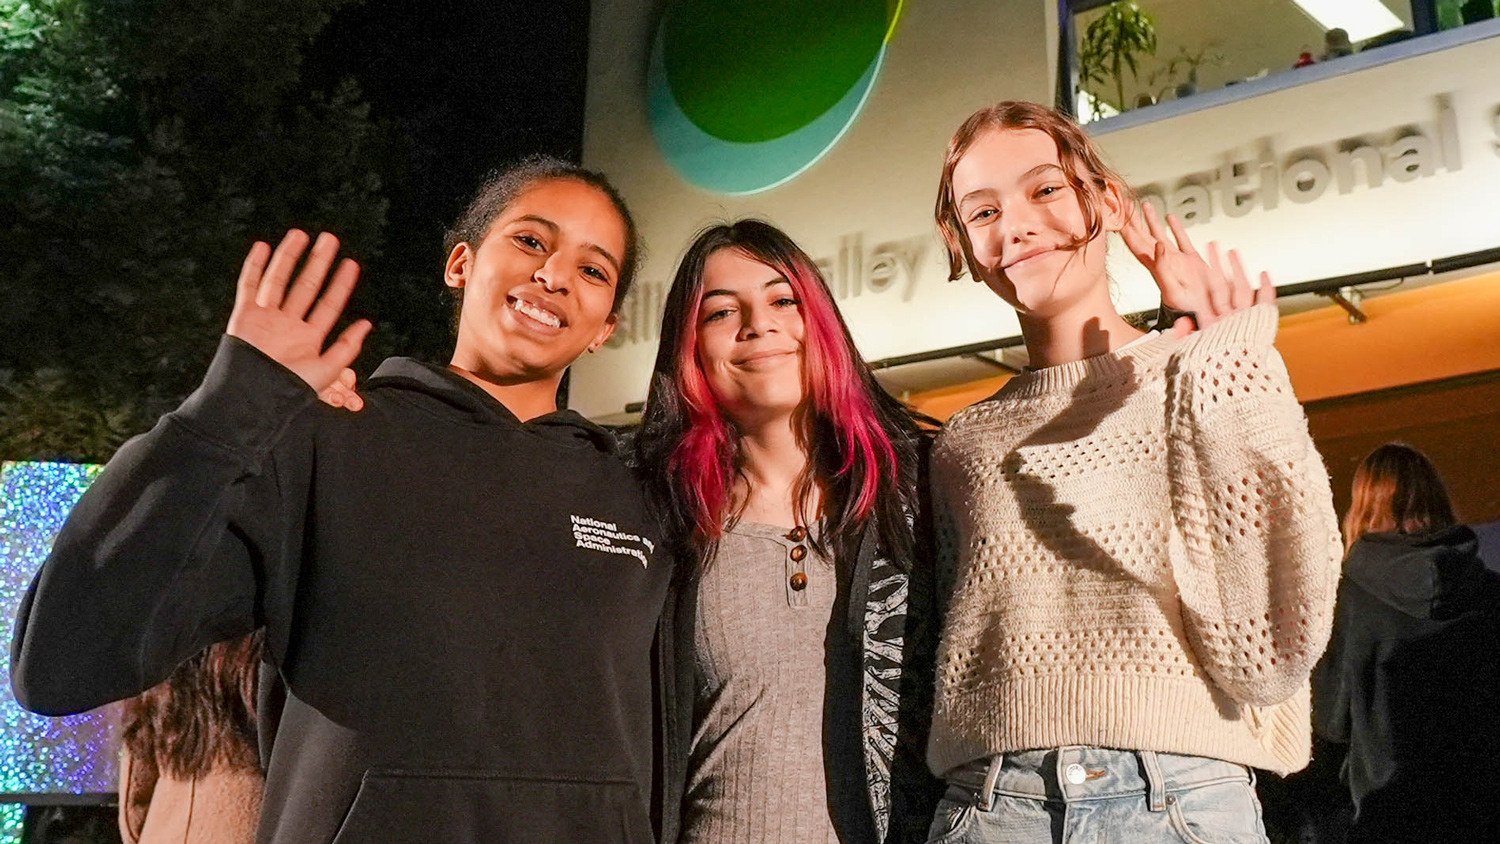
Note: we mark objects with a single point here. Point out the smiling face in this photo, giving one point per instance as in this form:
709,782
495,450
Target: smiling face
1025,225
750,338
539,290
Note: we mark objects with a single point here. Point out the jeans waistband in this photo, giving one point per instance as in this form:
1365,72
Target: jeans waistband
1071,774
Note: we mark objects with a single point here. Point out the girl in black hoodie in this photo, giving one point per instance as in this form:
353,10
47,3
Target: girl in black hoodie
1411,679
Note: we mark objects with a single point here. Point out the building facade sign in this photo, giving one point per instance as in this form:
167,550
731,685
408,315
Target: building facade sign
1384,166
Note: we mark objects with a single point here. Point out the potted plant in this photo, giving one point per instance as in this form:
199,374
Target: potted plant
1180,74
1113,44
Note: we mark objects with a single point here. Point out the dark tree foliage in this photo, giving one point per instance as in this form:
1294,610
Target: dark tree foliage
145,143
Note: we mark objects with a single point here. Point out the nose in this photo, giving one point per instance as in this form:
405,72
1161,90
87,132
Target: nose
756,321
552,275
1018,223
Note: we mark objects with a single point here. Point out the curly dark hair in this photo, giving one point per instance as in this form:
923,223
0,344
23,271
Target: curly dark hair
500,189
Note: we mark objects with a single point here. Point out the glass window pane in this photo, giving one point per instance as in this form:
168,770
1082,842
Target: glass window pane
1203,46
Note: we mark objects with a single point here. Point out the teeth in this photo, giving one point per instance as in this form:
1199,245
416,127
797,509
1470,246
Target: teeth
541,315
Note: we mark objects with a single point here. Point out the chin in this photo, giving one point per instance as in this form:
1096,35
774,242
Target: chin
760,408
525,367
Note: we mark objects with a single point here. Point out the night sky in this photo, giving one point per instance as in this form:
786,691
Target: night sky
471,84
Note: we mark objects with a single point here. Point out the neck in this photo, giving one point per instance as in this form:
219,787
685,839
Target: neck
773,459
1092,327
526,399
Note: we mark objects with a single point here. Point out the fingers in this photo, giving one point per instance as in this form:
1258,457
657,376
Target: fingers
335,296
1179,232
279,270
1137,237
341,392
334,394
305,289
345,349
251,271
1266,292
1182,327
1214,283
1153,223
1240,293
1163,280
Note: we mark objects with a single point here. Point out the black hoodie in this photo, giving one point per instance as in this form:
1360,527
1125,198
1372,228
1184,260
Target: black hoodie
461,606
1411,682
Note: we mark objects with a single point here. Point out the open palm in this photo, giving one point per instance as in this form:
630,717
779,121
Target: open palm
1205,289
288,320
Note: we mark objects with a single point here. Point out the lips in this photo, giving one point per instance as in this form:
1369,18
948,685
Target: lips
757,359
1028,255
537,313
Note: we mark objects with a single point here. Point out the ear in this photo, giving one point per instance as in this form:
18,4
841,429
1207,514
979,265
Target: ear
456,268
610,324
1114,208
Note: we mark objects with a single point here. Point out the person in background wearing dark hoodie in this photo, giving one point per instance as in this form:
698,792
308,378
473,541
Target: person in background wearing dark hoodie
459,585
1411,679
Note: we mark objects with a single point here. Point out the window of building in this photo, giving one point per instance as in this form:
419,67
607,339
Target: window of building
1122,55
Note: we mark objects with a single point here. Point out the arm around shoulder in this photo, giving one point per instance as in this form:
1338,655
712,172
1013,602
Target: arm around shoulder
1251,499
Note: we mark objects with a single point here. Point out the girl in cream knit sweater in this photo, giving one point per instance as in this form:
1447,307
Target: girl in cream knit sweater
1139,533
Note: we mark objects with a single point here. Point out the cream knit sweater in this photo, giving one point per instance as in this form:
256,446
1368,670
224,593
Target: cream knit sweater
1143,555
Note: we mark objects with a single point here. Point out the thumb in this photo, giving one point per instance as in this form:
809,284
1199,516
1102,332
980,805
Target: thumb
346,348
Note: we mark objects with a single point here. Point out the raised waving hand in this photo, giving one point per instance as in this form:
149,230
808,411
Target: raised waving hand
288,319
1204,291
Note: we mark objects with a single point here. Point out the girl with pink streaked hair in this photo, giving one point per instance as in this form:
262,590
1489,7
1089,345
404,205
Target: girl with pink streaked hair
802,632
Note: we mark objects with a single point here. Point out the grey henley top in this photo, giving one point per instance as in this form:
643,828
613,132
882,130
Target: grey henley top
775,755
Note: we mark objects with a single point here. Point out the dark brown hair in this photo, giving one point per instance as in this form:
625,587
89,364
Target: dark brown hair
1397,490
500,189
203,716
862,442
1082,165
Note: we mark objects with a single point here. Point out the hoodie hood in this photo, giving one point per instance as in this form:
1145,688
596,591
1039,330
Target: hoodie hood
1435,575
464,396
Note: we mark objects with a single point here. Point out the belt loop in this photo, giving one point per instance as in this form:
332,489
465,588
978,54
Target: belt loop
1156,784
991,776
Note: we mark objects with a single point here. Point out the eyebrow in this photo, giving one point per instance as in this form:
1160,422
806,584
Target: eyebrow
554,229
1035,171
541,221
605,253
772,283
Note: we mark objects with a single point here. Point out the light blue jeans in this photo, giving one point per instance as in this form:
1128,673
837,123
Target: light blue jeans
1095,795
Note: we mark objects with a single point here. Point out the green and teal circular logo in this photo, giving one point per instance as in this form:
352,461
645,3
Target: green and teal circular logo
745,96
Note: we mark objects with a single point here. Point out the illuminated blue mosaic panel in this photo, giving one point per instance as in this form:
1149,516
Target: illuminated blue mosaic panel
40,756
12,822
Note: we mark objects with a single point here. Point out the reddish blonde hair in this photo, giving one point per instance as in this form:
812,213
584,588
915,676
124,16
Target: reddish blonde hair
1397,490
1081,163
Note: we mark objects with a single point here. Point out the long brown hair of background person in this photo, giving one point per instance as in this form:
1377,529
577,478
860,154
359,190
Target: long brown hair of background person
202,716
1397,489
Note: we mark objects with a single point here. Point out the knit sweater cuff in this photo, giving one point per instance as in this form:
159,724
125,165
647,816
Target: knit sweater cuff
1252,328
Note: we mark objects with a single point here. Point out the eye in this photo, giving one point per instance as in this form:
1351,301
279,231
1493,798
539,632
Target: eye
531,242
714,316
983,214
787,302
1048,190
595,273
